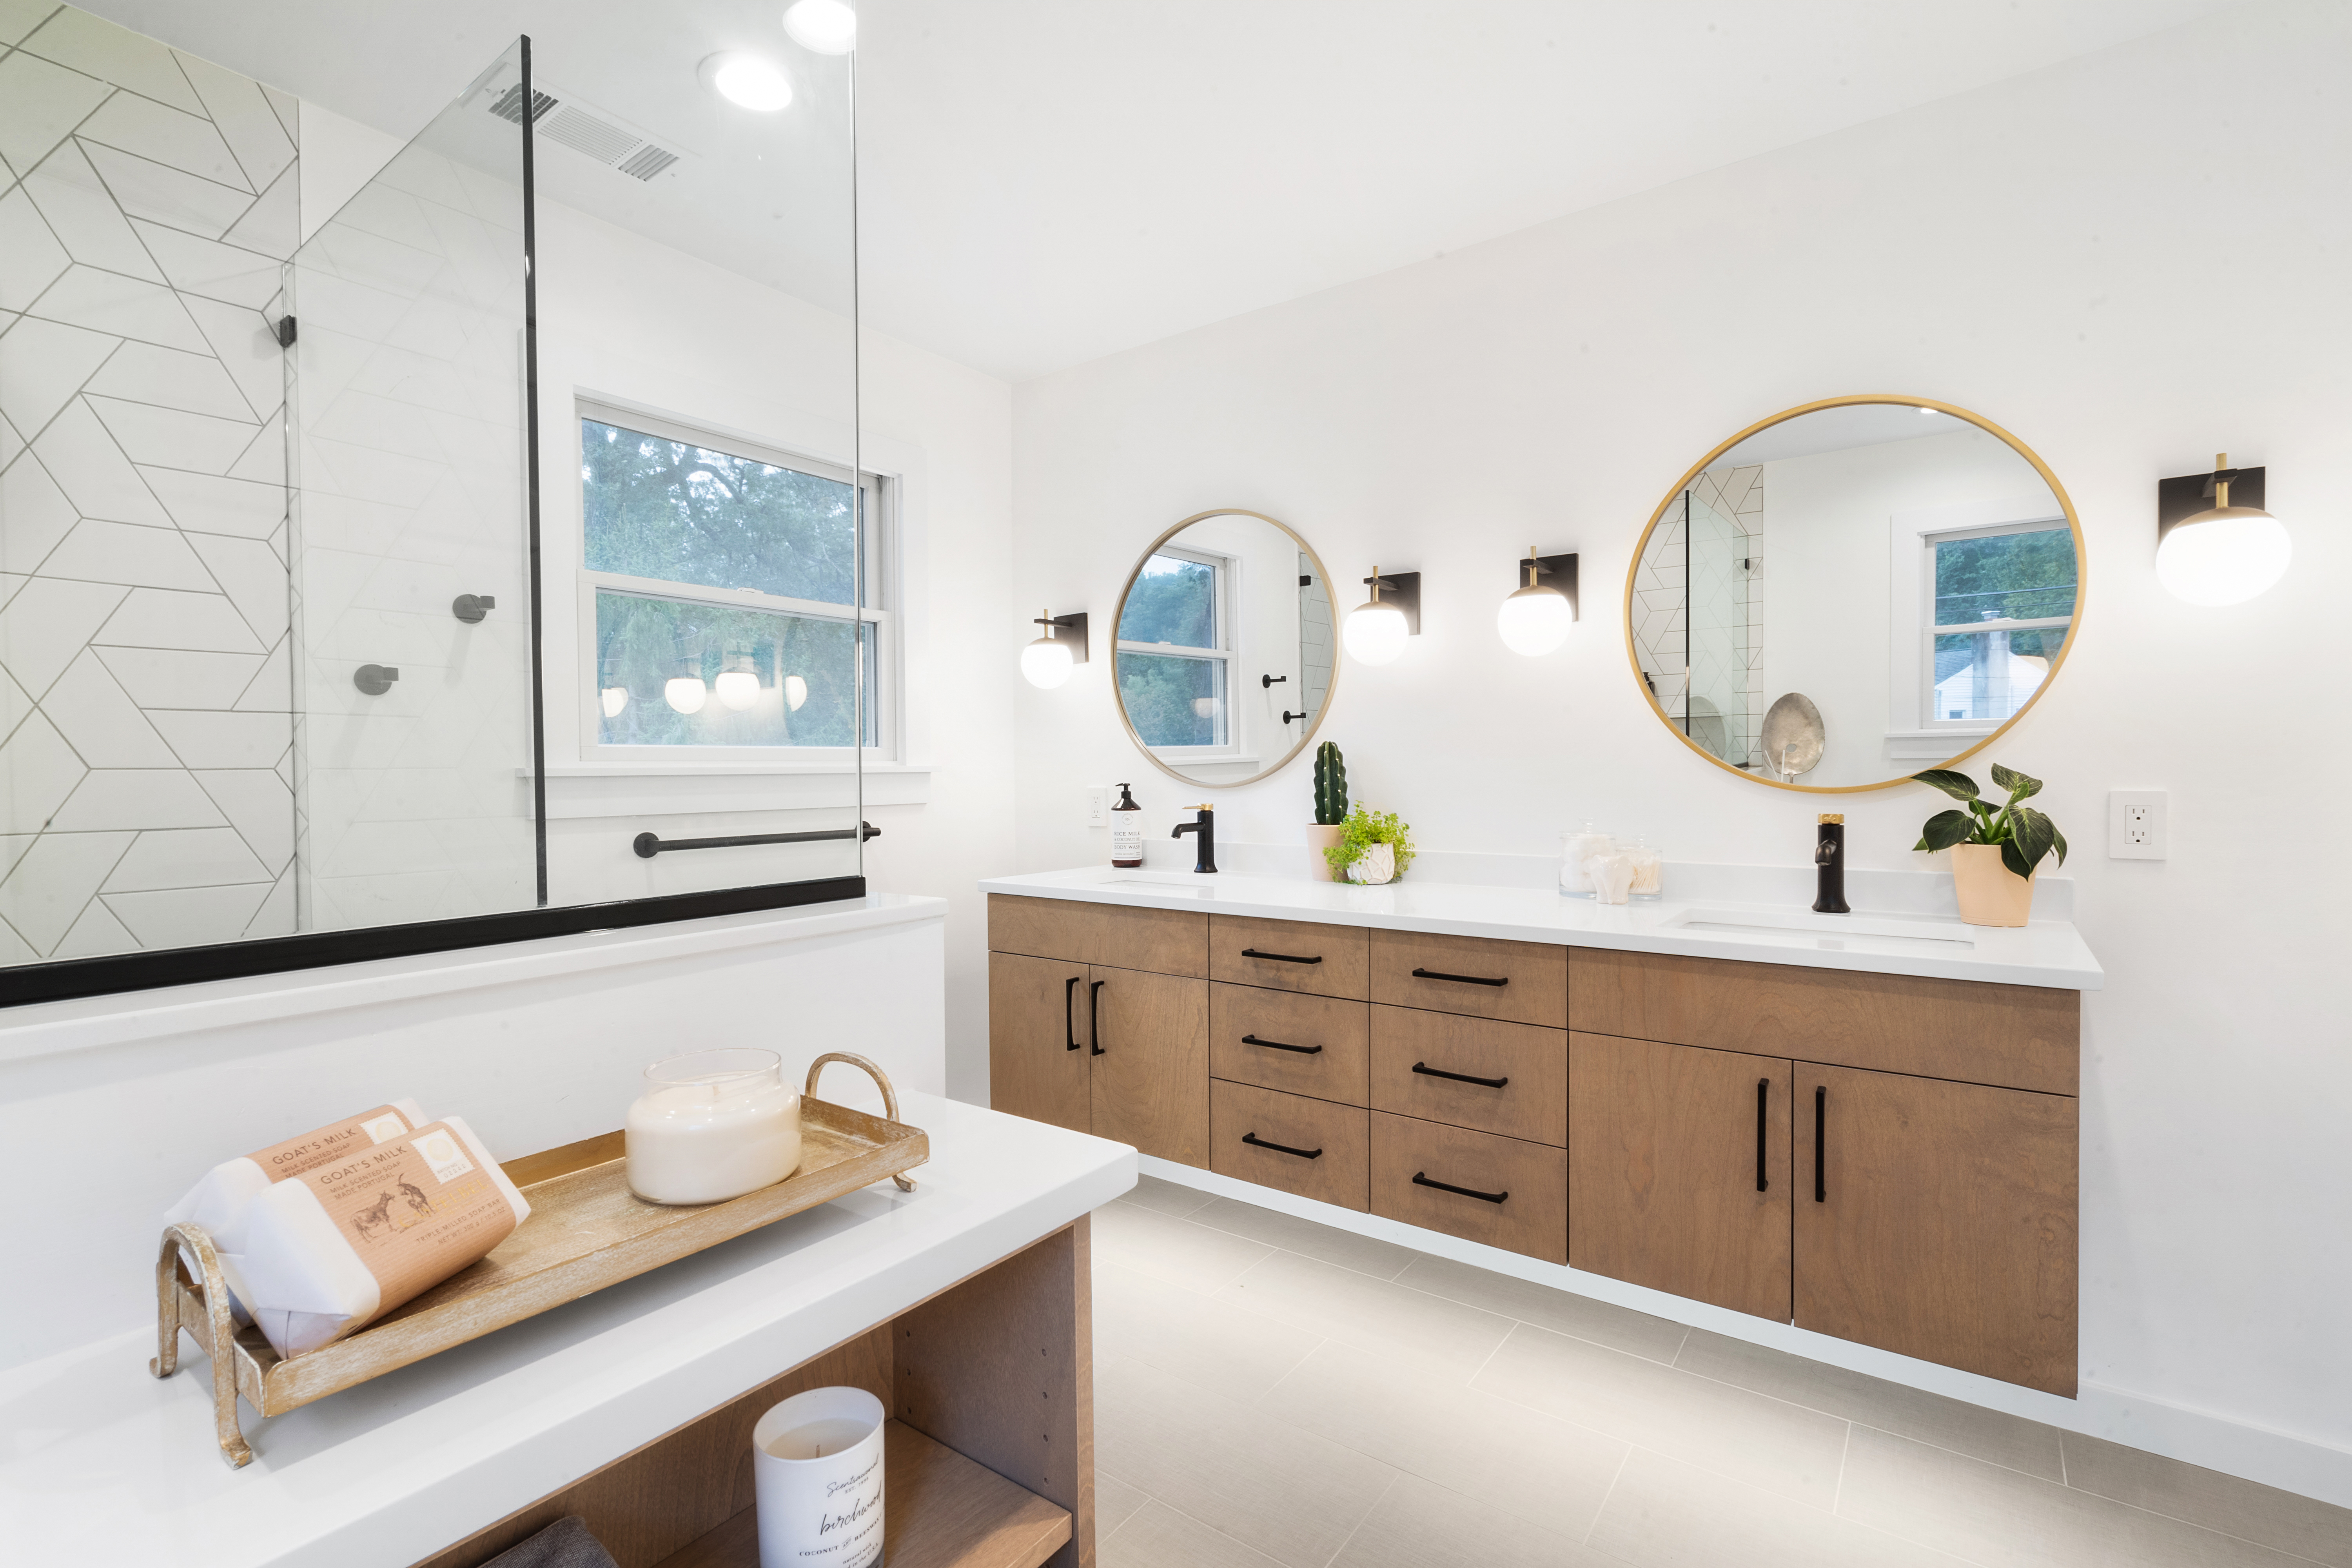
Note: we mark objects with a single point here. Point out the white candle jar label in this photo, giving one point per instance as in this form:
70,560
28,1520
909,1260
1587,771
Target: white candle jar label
816,1462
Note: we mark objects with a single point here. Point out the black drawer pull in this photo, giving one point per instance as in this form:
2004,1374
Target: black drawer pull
1458,1077
1094,1016
1278,957
1279,1045
1459,979
1419,1180
1763,1090
1069,1024
1821,1145
1253,1140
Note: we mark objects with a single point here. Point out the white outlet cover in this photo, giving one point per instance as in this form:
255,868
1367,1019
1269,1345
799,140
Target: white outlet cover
1097,805
2137,827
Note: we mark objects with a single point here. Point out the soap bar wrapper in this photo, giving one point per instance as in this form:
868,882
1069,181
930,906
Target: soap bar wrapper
330,1250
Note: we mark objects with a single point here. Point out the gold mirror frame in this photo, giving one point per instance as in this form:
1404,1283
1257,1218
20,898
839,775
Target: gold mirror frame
1118,613
2082,583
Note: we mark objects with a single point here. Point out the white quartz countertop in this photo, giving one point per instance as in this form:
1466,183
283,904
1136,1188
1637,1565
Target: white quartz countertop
102,1464
2045,952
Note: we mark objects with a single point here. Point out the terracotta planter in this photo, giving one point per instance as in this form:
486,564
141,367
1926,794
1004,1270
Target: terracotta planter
1322,835
1991,894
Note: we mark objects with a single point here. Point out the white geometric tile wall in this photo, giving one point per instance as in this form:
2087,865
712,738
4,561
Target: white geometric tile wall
1697,611
1318,642
147,202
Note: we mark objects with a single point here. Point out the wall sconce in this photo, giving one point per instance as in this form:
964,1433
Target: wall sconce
1047,663
1376,629
1537,618
2221,554
738,684
795,693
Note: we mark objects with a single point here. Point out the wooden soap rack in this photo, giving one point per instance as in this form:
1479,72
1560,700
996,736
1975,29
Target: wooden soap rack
586,1231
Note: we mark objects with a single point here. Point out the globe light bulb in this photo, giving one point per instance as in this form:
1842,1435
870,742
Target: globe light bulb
685,692
1045,664
739,689
2225,557
1375,633
1535,621
615,698
795,693
822,26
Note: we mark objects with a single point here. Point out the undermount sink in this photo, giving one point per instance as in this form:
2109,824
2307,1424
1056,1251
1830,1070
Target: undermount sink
1833,933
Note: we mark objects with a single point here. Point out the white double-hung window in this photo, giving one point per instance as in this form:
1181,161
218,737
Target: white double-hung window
731,595
1998,602
1176,650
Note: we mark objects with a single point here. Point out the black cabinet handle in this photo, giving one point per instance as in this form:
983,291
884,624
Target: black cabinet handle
1069,1024
1094,1016
1420,1180
1254,1141
1424,1069
1279,1045
1458,979
1278,957
1763,1092
1820,1144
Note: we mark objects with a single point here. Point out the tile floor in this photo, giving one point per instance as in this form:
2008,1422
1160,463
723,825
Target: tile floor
1271,1391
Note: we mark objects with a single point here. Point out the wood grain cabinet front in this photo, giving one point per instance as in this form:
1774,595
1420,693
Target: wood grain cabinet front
1482,1073
1289,955
1037,1063
1678,1170
1523,981
1501,1191
1281,1040
1938,1220
1163,941
1310,1147
1148,1039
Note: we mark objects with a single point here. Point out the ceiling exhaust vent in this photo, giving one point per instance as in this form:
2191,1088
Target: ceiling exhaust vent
587,130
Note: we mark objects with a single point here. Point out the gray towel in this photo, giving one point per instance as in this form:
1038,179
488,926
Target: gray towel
566,1543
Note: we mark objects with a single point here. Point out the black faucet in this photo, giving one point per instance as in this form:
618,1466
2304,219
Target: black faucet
1204,857
1829,858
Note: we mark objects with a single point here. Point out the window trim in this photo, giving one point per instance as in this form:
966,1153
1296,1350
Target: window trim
1912,729
1227,653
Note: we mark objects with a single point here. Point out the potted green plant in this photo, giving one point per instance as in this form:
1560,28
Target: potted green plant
1374,847
1996,854
1330,813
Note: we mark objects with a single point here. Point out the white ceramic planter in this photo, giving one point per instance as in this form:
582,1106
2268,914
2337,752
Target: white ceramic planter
1375,866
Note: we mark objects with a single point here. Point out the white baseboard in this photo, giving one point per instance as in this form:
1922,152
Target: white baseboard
2137,1420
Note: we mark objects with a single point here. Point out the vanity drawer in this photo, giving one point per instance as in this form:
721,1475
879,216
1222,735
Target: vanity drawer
1160,942
1328,1036
1530,1101
1524,981
1289,955
1531,1179
1968,1031
1323,1145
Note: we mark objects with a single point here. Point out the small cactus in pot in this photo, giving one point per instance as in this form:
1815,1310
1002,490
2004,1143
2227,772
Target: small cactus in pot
1330,813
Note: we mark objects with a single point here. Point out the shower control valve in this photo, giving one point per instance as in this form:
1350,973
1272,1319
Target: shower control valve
471,609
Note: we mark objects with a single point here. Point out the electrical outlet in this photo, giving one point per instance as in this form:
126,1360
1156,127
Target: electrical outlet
2135,825
1097,805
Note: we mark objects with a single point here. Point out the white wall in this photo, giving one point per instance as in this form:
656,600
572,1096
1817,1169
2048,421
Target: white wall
2039,252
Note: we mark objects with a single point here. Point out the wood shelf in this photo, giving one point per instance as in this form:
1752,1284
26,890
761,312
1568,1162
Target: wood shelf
940,1510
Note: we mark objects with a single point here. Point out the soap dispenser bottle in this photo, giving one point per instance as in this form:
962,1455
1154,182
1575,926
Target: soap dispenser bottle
1125,832
1829,861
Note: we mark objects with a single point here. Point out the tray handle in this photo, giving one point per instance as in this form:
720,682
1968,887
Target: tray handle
889,1095
175,1296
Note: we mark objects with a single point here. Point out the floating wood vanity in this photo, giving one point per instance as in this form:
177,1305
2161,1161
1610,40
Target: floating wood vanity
1885,1157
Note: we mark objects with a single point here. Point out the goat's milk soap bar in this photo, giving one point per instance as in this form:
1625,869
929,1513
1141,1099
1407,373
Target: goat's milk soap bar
337,1246
217,1200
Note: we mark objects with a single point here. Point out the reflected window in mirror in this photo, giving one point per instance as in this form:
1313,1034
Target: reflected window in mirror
1174,661
724,586
2001,603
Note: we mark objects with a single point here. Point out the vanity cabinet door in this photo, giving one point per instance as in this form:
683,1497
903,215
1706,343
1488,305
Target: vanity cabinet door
1148,1039
1936,1219
1037,1040
1679,1174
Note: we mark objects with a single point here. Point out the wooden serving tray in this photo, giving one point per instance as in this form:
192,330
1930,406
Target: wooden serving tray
586,1231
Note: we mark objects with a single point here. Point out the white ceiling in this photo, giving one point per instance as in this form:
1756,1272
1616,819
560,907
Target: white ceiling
1045,182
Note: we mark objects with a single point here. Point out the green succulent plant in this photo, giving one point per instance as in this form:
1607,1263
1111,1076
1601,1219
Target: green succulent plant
1366,828
1331,786
2024,835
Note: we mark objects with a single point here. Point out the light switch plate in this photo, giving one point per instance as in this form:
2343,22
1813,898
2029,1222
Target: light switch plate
1097,805
2135,825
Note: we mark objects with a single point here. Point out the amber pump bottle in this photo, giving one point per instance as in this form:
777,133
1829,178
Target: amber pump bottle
1829,862
1125,832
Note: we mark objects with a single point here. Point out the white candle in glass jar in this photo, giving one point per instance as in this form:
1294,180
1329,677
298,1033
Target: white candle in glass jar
712,1125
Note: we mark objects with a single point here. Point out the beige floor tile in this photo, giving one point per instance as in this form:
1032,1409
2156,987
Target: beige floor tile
1381,1260
1663,1513
1115,1503
1157,1536
1563,1312
2003,1519
1288,1493
2303,1526
1969,1429
1168,1197
1204,1341
1731,1431
1507,1456
1417,1524
1370,1314
1172,1249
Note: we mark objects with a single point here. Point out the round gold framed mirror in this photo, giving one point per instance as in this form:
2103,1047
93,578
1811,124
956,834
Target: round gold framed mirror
1225,651
1854,591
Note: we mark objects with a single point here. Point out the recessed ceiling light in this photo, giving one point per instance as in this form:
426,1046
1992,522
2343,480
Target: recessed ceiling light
747,80
1926,410
822,27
